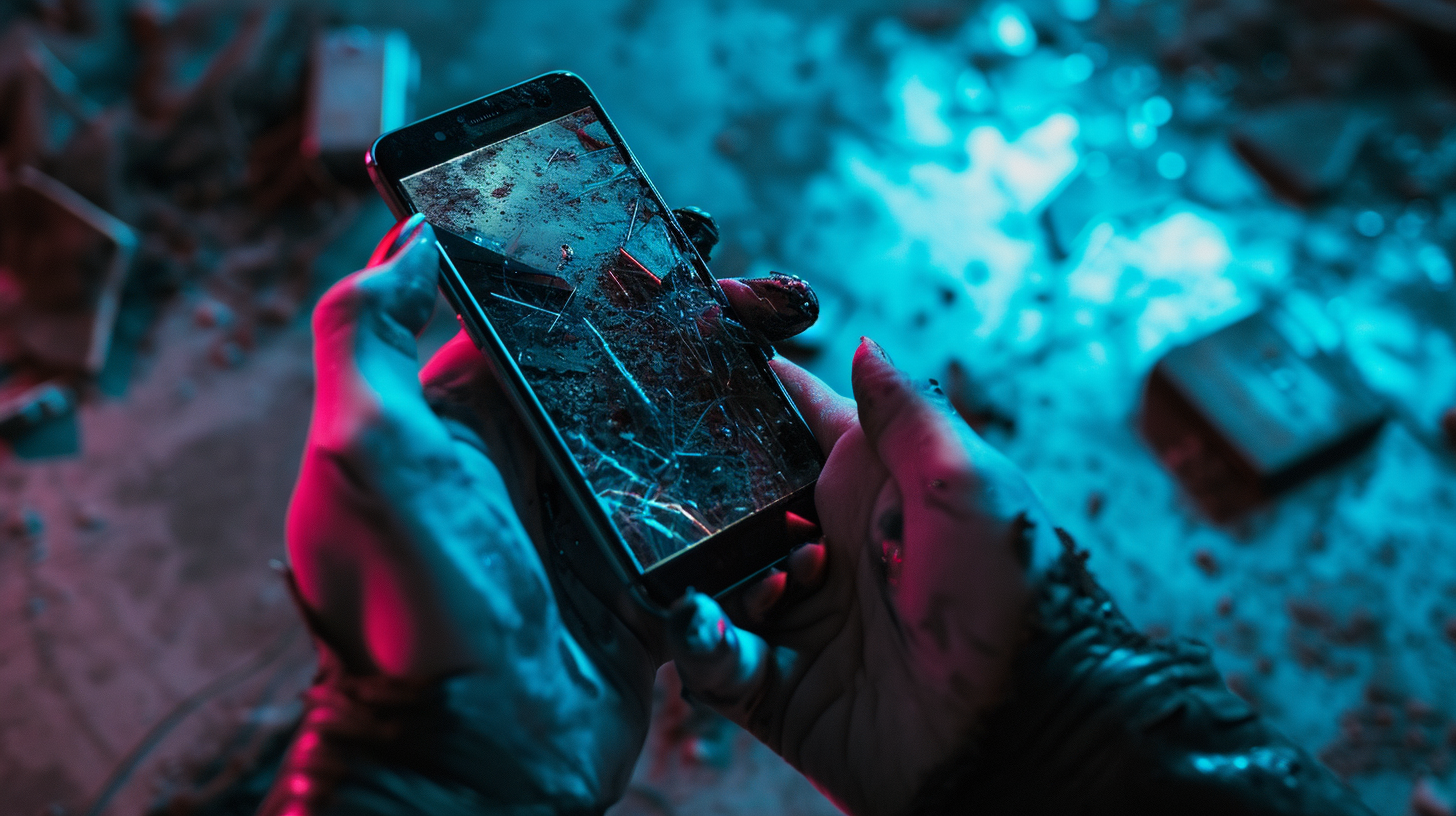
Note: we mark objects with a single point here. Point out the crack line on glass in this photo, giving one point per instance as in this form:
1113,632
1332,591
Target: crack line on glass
527,305
564,305
632,381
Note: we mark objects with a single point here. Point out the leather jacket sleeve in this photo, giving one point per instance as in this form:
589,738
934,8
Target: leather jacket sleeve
1102,719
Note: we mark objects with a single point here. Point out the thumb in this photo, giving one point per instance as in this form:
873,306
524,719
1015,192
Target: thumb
828,414
724,666
364,335
398,283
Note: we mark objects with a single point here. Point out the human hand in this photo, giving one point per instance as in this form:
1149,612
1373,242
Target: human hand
874,656
414,536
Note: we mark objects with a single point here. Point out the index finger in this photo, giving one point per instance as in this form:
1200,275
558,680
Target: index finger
828,413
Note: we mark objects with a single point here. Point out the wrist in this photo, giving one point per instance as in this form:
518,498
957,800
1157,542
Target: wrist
374,745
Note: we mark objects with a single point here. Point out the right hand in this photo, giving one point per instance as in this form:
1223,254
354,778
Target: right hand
874,657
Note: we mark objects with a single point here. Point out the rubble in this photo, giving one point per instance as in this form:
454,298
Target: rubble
1306,149
29,406
1241,415
1206,563
208,160
66,260
1426,801
360,85
1390,730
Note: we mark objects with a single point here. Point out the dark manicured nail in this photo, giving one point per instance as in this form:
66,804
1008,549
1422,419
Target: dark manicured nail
701,228
800,527
766,593
705,631
790,305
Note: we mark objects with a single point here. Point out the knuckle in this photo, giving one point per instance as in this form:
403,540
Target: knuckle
951,479
890,404
367,433
339,306
340,445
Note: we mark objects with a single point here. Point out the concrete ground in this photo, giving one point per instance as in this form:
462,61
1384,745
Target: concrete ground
1031,203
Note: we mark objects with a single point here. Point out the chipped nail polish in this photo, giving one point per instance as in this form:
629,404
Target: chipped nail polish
789,305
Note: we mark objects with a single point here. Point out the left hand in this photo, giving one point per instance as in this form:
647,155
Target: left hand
875,657
414,535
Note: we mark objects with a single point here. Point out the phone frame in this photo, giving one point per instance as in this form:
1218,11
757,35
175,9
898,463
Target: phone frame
714,565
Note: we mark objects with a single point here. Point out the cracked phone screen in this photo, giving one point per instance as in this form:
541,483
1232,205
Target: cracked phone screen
656,393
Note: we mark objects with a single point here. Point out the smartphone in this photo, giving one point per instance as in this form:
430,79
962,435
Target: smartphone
671,436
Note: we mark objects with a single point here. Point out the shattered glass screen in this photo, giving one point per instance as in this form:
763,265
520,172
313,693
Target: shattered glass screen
659,400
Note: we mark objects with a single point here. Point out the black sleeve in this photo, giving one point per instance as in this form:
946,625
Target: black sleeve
371,745
1102,719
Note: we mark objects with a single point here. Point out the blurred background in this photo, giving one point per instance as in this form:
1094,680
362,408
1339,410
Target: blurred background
1185,262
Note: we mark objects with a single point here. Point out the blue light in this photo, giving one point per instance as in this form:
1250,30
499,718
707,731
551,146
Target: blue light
1012,31
1141,134
1077,10
1172,166
1436,266
1370,223
924,123
1077,68
1158,111
974,92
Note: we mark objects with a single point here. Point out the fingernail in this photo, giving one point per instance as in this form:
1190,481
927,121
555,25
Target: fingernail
806,564
701,228
767,592
706,629
407,233
800,527
875,349
791,305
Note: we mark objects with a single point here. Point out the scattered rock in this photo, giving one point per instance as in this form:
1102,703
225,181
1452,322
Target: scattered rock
1238,683
1426,801
212,314
1450,629
25,406
227,354
25,523
1205,562
1305,149
1390,731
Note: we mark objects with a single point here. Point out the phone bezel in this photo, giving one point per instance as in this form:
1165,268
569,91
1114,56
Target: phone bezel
716,564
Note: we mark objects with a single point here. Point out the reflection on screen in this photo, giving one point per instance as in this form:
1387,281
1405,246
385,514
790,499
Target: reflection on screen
658,399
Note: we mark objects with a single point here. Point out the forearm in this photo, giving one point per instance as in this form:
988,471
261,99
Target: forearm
1102,719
